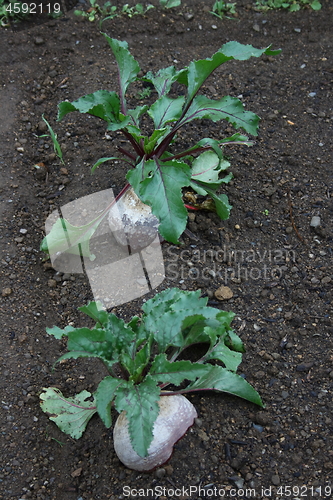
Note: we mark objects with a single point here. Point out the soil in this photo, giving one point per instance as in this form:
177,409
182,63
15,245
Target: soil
276,264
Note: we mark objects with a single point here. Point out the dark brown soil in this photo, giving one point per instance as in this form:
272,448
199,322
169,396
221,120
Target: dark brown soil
277,266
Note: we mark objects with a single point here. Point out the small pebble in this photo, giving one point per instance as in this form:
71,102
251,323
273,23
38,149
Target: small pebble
304,367
258,427
223,293
315,221
198,422
39,40
239,482
160,473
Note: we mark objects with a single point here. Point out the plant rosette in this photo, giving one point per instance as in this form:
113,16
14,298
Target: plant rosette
157,173
142,360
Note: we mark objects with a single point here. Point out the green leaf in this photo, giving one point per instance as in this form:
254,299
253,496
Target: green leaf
166,327
167,297
102,103
189,300
163,79
179,318
120,335
242,52
155,138
315,5
227,108
221,379
166,110
238,139
136,113
169,4
221,200
229,358
128,68
221,204
195,331
234,342
102,160
56,145
58,333
141,405
96,343
199,71
206,168
141,360
164,371
70,414
83,342
94,310
215,324
213,145
159,184
104,396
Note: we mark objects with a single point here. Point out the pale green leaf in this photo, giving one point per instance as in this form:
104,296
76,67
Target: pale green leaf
242,52
207,167
64,237
189,300
70,414
58,333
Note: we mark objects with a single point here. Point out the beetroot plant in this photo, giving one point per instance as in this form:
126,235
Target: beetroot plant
157,173
144,357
